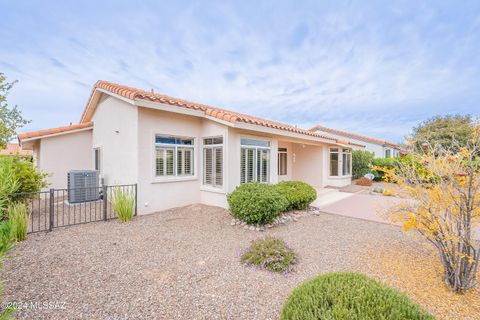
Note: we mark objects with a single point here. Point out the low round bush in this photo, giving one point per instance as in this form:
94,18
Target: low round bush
270,254
299,194
347,295
256,202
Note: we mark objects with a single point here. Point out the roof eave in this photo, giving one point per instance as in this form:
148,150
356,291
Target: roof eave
21,141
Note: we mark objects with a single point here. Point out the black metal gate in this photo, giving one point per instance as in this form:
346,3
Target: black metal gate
54,208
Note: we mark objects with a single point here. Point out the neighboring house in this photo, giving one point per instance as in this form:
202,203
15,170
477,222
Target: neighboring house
15,149
180,152
380,148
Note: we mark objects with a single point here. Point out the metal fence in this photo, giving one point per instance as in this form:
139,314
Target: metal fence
58,208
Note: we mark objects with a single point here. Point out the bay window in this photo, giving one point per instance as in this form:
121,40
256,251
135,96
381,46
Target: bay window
213,162
174,156
340,162
347,161
254,161
334,162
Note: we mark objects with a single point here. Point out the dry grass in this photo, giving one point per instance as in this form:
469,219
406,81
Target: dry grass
418,273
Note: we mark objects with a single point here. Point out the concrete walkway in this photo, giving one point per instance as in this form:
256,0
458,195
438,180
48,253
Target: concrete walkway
359,205
354,205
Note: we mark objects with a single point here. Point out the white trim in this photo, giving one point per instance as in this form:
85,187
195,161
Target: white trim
175,178
208,188
130,101
339,162
55,134
168,108
285,133
204,146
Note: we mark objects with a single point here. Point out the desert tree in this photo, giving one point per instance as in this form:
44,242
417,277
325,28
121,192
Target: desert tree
441,188
11,118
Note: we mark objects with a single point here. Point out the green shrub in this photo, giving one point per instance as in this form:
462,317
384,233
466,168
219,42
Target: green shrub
17,216
6,244
388,163
18,174
412,160
28,176
123,203
8,184
361,162
6,240
299,194
346,295
256,202
270,254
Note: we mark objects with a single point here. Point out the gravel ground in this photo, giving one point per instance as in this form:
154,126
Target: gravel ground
178,264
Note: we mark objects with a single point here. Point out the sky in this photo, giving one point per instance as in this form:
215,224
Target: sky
376,68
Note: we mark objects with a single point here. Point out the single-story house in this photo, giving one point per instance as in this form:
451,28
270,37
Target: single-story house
379,148
180,152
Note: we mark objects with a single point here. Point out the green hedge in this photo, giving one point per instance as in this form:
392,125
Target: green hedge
389,163
256,202
352,296
299,194
361,162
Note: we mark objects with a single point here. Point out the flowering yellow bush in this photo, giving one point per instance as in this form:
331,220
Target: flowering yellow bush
443,204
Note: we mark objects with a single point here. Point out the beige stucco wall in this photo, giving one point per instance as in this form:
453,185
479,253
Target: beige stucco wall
308,164
115,132
60,154
156,194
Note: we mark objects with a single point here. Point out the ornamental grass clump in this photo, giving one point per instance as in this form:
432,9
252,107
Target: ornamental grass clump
270,254
18,217
348,295
124,204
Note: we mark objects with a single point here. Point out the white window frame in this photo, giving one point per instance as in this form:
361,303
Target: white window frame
213,147
348,153
175,176
255,158
283,151
340,152
390,153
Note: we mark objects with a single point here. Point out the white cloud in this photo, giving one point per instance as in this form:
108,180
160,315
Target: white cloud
348,69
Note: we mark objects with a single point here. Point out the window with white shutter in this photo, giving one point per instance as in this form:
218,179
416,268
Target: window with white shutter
254,161
213,162
174,156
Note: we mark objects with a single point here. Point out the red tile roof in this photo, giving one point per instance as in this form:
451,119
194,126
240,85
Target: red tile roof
218,113
15,148
41,133
353,135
